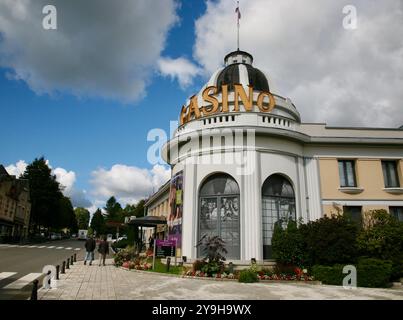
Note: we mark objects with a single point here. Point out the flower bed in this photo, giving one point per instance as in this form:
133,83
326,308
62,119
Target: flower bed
299,275
201,274
136,265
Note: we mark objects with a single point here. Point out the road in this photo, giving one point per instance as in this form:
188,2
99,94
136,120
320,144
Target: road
18,261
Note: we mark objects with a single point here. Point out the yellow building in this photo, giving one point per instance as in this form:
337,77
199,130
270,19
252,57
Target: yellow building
15,207
158,206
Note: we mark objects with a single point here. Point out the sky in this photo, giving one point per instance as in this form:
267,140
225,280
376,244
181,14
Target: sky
88,94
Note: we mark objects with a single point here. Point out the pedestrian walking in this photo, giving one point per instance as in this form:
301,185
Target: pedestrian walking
90,245
103,250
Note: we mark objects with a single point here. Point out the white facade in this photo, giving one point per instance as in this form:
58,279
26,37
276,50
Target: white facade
251,146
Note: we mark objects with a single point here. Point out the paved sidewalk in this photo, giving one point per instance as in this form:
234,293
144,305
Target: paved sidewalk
111,283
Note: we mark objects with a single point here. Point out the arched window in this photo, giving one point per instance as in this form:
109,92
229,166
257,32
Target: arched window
219,212
278,204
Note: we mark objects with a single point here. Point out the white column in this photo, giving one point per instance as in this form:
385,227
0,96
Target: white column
251,240
189,219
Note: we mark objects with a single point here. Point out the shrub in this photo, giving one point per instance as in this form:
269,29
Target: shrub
284,269
330,240
332,275
373,273
288,244
198,265
213,267
248,276
214,250
123,256
382,238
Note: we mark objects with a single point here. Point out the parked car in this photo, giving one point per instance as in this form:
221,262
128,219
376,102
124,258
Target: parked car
55,236
124,237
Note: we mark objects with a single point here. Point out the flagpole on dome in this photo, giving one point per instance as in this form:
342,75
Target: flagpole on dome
238,17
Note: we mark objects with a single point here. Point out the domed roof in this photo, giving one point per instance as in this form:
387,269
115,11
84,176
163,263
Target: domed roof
239,69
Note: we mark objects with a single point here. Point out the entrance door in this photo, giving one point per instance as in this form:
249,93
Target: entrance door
219,212
278,204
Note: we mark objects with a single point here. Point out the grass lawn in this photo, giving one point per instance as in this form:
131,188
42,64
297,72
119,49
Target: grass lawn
160,267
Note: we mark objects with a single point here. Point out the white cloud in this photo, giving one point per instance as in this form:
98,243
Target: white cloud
100,48
181,69
17,169
66,179
127,183
333,75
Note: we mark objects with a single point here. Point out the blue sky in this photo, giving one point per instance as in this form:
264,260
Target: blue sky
83,133
86,95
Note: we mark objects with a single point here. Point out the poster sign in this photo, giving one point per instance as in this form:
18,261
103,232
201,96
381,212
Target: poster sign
174,220
164,248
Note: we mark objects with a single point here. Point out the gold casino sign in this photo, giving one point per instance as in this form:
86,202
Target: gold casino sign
209,95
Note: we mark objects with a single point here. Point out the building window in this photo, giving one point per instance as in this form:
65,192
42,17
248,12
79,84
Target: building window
219,212
354,213
397,212
390,175
278,205
347,173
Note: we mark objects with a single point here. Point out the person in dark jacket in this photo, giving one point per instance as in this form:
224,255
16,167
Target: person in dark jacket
103,250
89,248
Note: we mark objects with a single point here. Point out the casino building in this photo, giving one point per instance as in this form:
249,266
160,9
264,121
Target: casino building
242,159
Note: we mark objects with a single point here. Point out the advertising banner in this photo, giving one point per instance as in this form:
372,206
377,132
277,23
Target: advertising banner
176,209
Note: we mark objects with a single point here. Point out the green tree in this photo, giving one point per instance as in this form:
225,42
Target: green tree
330,240
68,217
83,217
382,238
45,193
288,244
98,222
113,210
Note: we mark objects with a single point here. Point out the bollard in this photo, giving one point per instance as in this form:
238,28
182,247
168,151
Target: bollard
49,278
184,259
63,267
57,272
68,263
71,260
34,293
168,263
75,257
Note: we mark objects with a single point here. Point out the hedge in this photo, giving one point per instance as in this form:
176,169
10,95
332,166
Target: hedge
248,276
371,273
332,275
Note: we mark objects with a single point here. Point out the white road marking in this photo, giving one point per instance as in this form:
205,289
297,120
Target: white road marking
69,248
22,282
33,247
59,247
41,247
51,247
4,275
77,249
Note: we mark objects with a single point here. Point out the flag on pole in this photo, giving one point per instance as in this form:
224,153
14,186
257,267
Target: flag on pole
238,12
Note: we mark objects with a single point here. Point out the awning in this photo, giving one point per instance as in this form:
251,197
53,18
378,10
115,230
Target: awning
147,221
